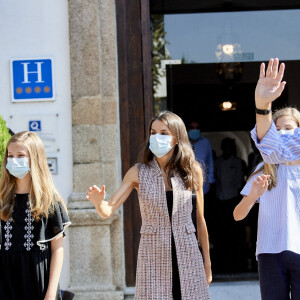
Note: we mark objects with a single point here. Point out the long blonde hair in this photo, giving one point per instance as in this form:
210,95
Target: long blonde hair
183,161
43,193
271,169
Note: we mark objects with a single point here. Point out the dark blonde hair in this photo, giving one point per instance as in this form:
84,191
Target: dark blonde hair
43,193
271,169
183,161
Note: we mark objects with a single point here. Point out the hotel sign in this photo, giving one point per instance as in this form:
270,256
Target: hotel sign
32,80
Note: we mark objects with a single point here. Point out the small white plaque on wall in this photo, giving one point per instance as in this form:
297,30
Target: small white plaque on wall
52,163
46,126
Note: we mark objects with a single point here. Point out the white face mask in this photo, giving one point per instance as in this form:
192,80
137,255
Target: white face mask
283,131
160,145
18,167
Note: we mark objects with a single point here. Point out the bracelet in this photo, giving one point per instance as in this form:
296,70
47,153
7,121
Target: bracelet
263,112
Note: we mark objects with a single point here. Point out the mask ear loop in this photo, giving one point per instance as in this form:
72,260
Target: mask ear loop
175,145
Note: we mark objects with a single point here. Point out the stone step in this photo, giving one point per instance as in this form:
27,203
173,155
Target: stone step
129,293
226,290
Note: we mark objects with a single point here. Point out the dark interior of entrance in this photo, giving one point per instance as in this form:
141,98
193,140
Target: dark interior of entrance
197,92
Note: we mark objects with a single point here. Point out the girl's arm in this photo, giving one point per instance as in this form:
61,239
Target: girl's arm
202,229
259,186
106,209
57,254
269,87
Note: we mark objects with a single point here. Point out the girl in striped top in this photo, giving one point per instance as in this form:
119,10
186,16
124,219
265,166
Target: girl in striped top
277,190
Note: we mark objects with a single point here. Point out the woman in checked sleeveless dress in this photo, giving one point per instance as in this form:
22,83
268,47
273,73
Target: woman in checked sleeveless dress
170,264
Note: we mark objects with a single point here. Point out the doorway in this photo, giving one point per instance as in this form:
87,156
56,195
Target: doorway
135,52
220,98
210,78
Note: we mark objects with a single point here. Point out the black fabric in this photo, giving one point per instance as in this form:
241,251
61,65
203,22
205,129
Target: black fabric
52,226
175,273
279,275
194,215
24,265
0,234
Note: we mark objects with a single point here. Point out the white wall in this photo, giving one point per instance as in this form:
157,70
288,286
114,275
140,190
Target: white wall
35,29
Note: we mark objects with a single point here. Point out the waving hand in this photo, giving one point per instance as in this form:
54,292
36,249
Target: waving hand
270,85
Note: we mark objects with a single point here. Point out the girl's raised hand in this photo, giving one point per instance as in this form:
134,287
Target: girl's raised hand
259,186
270,85
96,195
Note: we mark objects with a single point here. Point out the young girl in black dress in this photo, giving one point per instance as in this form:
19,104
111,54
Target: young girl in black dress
33,218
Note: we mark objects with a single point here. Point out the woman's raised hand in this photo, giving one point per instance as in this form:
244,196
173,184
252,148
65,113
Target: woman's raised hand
270,85
96,195
259,186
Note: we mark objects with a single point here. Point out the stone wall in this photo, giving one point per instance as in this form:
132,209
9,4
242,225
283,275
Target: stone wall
96,246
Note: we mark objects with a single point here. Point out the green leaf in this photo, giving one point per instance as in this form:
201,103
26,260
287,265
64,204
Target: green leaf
4,138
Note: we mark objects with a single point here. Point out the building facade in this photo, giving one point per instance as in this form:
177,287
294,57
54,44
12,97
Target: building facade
97,117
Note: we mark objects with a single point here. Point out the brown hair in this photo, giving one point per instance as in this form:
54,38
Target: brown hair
183,161
43,193
271,169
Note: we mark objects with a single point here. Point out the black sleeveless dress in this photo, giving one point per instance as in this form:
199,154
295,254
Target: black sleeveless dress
26,251
176,281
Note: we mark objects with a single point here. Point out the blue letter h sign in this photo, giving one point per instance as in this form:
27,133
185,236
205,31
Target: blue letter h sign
32,80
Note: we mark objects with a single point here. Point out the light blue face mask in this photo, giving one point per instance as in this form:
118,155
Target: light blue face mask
194,134
283,131
160,145
18,167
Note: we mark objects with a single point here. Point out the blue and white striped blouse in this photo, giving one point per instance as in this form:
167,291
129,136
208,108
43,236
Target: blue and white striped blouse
279,212
278,149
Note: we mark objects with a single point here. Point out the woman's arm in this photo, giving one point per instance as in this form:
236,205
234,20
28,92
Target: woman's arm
202,229
259,186
57,254
106,209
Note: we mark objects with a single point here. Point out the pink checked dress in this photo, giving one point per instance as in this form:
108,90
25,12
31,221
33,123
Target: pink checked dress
154,266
